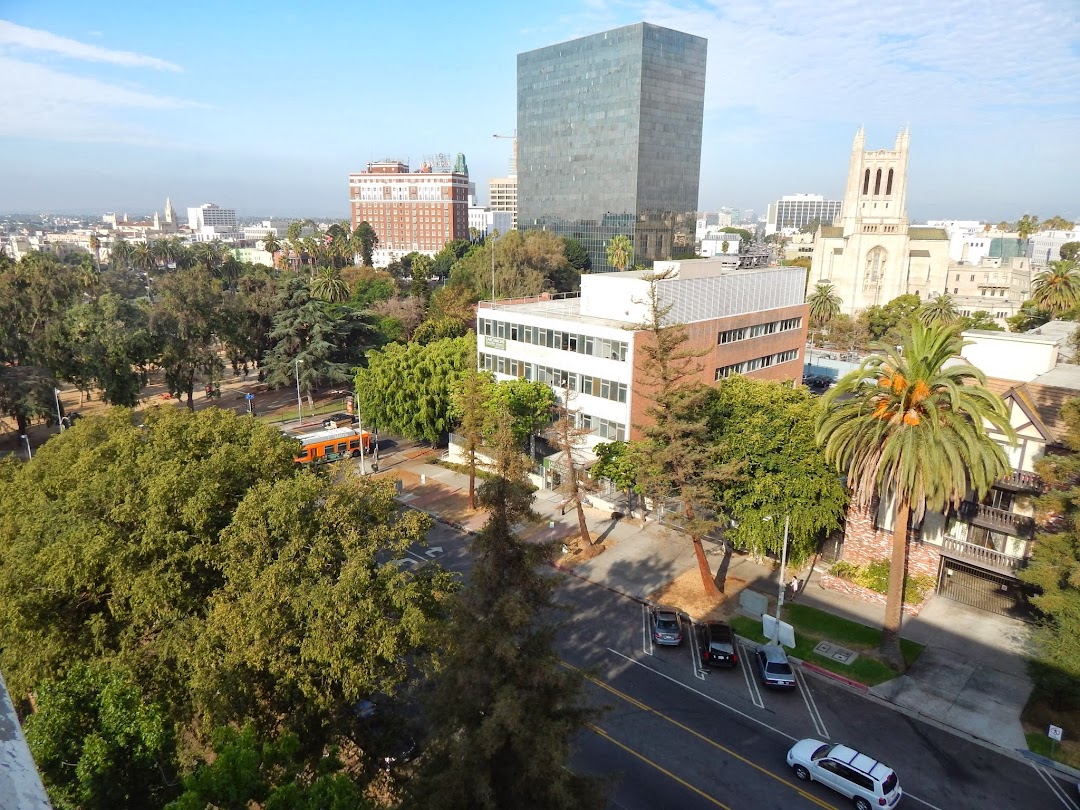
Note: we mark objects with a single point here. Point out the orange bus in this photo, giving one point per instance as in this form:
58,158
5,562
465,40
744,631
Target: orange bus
331,445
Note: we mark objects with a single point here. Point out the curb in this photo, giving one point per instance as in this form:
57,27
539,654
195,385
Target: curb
1046,762
828,673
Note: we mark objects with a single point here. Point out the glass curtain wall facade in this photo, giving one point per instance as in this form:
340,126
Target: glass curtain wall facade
609,140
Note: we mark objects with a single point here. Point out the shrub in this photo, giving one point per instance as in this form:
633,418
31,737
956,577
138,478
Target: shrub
875,577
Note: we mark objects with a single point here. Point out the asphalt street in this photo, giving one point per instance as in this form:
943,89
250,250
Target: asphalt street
674,734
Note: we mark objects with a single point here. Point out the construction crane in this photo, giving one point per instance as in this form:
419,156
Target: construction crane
513,159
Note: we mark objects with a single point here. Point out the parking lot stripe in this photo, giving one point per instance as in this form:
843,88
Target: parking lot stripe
658,767
811,706
646,636
649,709
751,684
695,654
1052,783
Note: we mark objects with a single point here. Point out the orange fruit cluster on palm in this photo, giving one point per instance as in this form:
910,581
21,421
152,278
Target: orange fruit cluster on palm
901,398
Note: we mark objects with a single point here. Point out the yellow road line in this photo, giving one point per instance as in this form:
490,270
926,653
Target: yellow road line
658,767
646,708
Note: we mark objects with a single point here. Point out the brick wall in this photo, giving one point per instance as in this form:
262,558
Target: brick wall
831,583
864,544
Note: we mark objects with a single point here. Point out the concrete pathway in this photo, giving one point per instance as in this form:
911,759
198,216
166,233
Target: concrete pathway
971,676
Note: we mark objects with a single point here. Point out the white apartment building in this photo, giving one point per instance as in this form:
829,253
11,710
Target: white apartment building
999,287
795,211
502,196
1045,247
267,227
485,220
720,244
209,222
743,321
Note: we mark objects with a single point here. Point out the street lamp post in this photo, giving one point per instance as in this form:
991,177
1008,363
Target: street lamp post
299,407
29,453
360,424
59,416
783,570
493,236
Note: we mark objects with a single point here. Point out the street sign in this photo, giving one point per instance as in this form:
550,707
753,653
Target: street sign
780,632
249,396
1054,733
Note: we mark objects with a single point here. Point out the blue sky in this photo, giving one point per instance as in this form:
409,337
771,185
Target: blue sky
266,107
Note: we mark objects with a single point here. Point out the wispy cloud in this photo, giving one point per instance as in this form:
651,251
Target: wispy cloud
33,39
839,60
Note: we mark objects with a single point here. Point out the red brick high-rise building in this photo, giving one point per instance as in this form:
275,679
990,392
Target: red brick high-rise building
411,211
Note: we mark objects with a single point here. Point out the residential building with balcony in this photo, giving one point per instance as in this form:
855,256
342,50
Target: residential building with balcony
744,321
974,551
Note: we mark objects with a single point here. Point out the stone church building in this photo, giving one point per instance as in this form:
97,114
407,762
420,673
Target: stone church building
870,253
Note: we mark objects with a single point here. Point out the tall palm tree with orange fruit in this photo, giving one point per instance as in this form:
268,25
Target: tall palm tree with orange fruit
910,431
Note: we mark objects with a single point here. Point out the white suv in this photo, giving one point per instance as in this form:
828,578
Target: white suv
862,779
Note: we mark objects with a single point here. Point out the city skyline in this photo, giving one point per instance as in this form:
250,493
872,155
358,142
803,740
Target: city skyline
268,113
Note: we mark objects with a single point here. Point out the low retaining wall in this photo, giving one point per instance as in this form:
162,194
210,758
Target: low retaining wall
849,588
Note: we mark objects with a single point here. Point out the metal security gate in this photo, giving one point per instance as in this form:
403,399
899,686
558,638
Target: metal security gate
1000,594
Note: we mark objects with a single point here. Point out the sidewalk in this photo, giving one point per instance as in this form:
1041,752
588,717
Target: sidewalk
971,676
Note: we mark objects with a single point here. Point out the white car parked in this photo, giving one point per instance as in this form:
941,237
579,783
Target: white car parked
864,780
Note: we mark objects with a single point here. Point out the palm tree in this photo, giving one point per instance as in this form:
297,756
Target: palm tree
272,245
95,246
210,255
120,253
824,304
620,252
1027,225
905,427
939,309
328,285
143,259
1057,289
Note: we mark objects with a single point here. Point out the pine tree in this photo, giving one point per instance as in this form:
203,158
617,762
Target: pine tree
504,710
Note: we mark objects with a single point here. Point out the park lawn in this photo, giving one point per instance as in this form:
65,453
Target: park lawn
812,625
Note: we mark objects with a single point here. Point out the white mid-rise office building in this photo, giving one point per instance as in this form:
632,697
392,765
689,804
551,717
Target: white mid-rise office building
795,211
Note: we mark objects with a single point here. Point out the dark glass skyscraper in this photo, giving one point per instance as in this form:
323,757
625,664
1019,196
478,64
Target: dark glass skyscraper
609,139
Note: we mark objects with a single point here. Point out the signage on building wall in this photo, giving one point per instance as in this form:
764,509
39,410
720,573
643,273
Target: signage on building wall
494,342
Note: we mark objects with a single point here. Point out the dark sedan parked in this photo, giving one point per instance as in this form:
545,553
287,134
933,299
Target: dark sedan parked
717,645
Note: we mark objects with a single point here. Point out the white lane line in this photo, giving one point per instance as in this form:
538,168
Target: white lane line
646,636
695,654
1052,783
811,706
417,556
702,694
743,714
751,682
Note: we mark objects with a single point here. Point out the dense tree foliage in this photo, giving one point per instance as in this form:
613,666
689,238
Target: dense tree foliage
884,322
165,579
407,388
1054,570
769,428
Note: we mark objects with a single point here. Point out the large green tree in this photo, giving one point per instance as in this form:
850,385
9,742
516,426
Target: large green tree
768,427
470,407
184,322
907,428
884,322
100,743
504,710
1054,569
406,388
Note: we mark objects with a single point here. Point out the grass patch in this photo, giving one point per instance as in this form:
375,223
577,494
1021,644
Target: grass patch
812,625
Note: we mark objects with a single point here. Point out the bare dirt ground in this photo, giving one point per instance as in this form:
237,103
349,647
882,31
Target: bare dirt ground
686,593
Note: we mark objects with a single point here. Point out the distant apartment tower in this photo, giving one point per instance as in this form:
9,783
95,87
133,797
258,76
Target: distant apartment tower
503,196
209,215
209,222
609,139
799,210
416,211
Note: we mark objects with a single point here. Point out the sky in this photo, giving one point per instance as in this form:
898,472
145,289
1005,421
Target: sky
266,107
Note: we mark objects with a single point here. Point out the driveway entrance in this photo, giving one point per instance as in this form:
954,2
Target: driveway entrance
1003,595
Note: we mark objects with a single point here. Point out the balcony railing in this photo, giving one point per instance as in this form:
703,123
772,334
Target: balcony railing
1021,481
983,557
997,519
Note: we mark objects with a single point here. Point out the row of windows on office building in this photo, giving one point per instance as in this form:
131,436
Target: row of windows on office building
746,366
757,330
555,339
555,377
